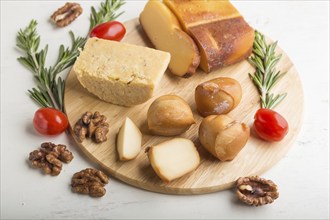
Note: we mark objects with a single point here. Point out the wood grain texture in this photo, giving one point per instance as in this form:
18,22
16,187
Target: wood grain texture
211,175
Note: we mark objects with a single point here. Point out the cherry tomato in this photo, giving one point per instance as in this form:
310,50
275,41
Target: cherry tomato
50,121
270,125
112,30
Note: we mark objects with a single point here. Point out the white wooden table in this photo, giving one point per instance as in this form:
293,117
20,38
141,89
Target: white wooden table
302,29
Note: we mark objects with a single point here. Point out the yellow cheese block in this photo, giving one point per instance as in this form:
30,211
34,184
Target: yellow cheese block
164,31
120,73
221,33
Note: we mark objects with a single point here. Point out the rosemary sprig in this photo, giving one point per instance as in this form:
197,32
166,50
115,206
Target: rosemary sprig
49,91
265,77
50,88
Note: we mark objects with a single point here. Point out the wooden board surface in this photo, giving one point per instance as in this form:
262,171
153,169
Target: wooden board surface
211,175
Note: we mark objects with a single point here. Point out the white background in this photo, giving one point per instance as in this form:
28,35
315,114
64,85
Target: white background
302,29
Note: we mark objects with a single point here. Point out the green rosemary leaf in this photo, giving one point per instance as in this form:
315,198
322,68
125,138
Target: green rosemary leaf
39,97
36,44
258,75
272,102
272,47
26,62
274,62
277,76
60,53
58,89
257,61
258,52
271,81
258,49
256,80
268,81
41,56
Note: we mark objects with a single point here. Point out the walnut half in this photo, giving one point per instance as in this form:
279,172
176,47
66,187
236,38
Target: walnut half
256,191
66,14
89,181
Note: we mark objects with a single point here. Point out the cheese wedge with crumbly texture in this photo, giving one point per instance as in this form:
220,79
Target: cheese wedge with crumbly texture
221,33
120,73
129,140
173,158
164,31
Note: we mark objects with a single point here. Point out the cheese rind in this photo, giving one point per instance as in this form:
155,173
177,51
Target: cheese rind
120,73
194,13
226,47
221,33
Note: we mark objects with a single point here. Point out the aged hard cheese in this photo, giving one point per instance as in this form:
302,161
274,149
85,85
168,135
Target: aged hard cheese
221,33
164,31
120,73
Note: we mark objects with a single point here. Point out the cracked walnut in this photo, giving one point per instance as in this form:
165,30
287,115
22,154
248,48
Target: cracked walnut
49,158
66,14
93,126
89,181
256,191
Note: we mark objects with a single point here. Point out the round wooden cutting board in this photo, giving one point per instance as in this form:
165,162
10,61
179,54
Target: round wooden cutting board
211,175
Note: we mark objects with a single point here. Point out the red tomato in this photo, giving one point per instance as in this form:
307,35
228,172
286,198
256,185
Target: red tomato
50,121
270,125
112,30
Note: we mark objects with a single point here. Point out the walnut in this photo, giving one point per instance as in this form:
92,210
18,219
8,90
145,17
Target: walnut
92,126
49,158
47,162
89,181
59,151
256,191
66,14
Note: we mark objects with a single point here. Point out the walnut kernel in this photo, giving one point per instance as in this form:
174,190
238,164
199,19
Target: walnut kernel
66,14
93,126
58,150
50,157
256,191
89,181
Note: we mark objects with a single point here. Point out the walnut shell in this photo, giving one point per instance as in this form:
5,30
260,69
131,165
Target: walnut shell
256,191
66,14
169,115
217,96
